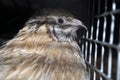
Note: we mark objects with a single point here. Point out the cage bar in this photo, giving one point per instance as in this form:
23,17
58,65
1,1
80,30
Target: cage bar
118,64
103,49
103,55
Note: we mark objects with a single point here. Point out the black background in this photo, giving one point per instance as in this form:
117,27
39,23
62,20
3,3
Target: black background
14,13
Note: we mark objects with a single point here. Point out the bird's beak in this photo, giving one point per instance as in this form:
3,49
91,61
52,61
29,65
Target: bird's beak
77,23
83,26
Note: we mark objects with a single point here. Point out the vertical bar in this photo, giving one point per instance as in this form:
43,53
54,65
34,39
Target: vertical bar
118,64
83,48
114,6
95,60
83,45
111,42
118,61
91,37
96,47
109,63
86,46
112,29
103,49
102,61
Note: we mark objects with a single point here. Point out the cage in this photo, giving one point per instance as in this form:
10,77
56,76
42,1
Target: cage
100,45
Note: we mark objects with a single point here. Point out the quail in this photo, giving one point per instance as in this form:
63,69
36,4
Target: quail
44,49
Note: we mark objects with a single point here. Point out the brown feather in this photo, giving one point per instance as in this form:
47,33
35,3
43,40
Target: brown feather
36,56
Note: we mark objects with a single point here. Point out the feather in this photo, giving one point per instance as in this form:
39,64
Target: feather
33,54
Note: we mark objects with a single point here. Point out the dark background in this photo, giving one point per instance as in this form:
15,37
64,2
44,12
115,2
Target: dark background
14,13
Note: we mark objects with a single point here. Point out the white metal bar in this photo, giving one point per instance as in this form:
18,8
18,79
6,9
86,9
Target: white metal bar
118,62
95,60
97,31
99,72
86,46
83,45
103,49
96,46
91,37
90,53
104,29
102,61
114,6
109,63
112,29
111,42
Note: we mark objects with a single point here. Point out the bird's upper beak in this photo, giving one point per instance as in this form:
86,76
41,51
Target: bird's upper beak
77,23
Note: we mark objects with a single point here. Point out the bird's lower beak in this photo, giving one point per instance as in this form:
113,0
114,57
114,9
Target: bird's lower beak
83,26
79,24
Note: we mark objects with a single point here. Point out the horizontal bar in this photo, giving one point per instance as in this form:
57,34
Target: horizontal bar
98,71
101,43
108,13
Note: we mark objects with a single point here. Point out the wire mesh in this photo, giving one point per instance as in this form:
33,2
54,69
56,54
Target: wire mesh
101,45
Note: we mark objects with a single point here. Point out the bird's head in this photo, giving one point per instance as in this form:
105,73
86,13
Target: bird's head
60,25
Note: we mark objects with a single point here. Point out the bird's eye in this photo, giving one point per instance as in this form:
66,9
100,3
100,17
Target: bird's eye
60,20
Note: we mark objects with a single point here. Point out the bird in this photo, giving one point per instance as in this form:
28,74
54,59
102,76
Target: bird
45,49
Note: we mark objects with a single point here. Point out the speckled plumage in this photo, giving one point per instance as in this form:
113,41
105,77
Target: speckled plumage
43,50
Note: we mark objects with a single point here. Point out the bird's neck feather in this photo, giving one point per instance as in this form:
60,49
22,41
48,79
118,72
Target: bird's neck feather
42,44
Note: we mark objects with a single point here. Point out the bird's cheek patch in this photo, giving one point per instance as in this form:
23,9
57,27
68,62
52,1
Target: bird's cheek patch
43,28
